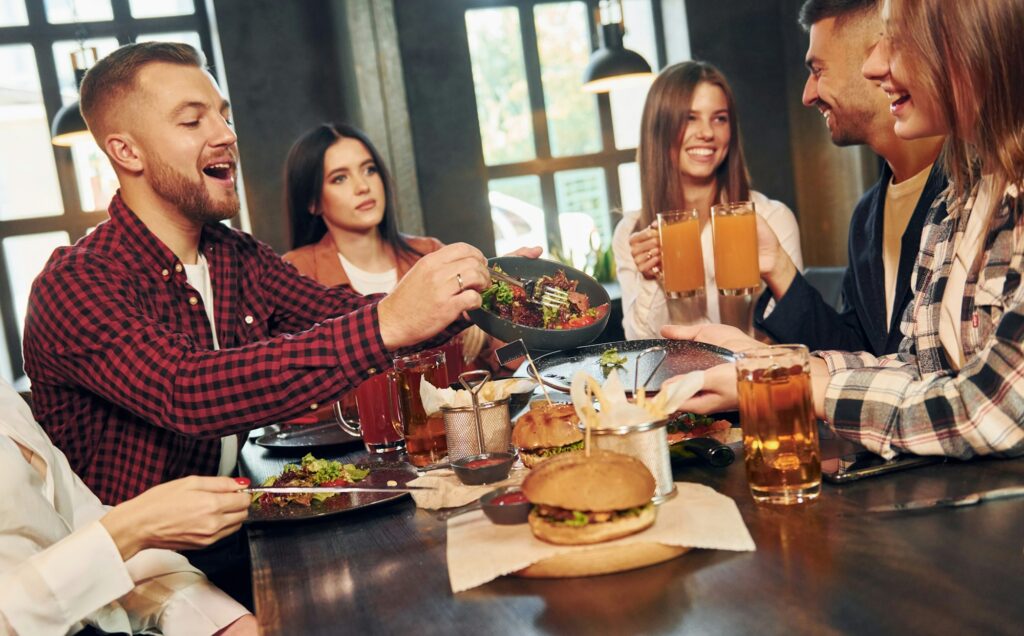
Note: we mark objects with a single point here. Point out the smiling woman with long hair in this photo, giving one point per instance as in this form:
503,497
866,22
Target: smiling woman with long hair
957,385
690,156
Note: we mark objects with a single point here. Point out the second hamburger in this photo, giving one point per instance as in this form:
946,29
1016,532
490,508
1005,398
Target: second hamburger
547,431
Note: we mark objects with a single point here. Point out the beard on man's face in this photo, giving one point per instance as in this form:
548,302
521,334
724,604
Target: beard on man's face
191,198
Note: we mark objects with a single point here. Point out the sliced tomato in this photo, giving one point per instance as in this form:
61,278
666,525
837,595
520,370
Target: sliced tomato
576,323
340,481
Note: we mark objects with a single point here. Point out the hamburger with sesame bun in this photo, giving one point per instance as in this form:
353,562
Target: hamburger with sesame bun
580,500
546,431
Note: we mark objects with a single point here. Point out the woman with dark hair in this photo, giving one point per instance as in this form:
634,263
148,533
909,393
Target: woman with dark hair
344,223
690,157
956,387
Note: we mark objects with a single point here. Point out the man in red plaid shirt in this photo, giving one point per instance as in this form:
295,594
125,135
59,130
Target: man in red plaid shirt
164,331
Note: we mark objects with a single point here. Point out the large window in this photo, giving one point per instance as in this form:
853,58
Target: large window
51,196
560,161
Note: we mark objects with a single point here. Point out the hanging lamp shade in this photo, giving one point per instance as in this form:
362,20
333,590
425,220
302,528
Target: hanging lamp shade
68,124
612,64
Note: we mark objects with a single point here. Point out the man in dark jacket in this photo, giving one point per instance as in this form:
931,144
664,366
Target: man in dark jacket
885,229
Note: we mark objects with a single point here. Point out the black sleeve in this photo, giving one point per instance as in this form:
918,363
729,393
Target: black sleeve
802,316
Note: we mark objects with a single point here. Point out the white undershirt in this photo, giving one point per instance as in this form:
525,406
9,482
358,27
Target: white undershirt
900,201
366,282
198,276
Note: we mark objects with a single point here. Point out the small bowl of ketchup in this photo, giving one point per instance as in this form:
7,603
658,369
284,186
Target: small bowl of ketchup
506,506
483,469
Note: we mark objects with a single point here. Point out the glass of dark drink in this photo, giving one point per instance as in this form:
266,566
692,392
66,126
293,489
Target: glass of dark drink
380,423
425,441
780,432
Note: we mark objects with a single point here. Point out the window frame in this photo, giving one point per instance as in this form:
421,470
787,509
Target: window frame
41,36
544,165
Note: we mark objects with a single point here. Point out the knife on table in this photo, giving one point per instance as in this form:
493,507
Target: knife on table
952,502
297,490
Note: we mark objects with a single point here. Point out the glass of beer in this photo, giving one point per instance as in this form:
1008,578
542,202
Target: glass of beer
780,432
682,261
425,441
379,423
734,228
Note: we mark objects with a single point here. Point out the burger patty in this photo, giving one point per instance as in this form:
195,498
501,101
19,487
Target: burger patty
554,450
585,517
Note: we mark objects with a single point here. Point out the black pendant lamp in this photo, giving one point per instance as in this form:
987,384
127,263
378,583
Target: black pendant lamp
68,125
612,65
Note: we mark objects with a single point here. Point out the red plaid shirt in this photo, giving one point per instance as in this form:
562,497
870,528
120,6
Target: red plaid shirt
120,352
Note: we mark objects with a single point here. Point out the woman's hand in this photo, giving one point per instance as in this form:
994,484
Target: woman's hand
720,335
180,514
646,250
719,390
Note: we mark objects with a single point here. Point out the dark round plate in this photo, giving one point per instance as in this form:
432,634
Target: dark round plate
380,475
534,338
557,368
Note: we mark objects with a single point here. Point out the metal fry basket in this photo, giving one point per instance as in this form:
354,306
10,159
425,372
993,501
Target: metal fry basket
648,442
460,422
460,429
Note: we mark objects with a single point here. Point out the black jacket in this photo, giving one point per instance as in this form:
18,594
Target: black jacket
802,316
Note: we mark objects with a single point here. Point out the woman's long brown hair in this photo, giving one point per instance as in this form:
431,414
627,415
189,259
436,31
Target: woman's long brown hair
665,115
970,55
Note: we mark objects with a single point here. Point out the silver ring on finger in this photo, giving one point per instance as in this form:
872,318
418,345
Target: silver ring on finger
650,254
458,279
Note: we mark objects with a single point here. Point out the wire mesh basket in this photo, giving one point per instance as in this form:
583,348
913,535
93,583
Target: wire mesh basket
460,429
647,442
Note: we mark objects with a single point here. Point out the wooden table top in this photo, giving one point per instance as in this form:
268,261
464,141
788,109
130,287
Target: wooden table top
823,568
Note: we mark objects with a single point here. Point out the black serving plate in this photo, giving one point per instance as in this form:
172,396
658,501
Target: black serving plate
534,338
380,475
557,368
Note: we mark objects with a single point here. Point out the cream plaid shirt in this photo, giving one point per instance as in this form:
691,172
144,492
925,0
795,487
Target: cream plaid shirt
914,401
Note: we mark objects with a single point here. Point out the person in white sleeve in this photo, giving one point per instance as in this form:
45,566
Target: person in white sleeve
690,157
67,561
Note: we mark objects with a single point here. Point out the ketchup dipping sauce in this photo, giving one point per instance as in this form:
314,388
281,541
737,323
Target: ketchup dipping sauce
485,462
509,498
506,506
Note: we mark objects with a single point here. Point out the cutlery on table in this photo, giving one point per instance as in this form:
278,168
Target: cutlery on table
295,490
952,502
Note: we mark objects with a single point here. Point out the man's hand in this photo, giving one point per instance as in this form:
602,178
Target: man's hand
432,295
777,268
184,513
646,250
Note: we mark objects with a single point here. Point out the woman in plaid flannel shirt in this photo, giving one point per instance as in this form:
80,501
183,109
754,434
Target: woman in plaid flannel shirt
956,387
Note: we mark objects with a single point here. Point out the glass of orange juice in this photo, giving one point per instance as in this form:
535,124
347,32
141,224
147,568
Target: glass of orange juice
734,228
682,261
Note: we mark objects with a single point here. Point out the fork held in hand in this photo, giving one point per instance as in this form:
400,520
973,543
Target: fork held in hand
551,297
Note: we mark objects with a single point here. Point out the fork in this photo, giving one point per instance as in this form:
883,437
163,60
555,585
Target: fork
551,297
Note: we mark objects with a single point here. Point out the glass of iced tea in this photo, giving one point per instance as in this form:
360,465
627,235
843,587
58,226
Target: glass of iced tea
425,441
734,227
682,262
780,432
376,404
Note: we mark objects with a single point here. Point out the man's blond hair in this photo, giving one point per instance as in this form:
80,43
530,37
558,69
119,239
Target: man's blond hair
114,76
